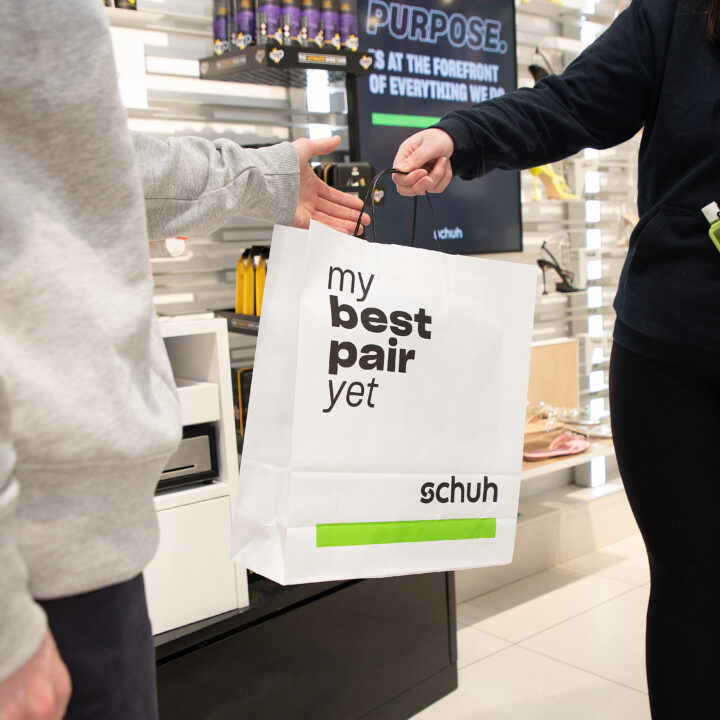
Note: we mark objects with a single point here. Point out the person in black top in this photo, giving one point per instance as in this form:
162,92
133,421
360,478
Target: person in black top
656,68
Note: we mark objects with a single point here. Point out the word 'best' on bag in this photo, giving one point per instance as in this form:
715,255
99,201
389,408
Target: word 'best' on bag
385,427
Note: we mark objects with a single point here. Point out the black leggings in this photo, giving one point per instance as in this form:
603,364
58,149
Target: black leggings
105,639
666,425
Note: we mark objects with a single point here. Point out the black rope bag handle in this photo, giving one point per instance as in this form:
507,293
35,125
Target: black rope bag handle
371,195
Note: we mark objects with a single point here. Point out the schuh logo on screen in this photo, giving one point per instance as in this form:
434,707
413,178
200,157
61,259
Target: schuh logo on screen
447,233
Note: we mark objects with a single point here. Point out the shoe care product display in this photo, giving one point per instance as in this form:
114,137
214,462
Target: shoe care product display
330,25
353,178
565,284
250,280
240,23
712,215
556,188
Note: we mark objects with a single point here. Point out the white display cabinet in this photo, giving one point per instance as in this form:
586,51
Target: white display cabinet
192,576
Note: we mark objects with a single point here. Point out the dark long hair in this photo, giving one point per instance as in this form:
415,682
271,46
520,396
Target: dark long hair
713,24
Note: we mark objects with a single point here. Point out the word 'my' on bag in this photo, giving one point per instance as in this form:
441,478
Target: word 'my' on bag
385,428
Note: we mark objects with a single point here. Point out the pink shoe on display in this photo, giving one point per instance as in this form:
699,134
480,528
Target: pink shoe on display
562,445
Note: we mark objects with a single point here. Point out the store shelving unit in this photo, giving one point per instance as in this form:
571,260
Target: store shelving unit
191,577
286,65
242,324
605,182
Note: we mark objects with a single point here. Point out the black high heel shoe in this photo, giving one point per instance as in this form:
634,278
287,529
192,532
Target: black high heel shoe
566,277
538,71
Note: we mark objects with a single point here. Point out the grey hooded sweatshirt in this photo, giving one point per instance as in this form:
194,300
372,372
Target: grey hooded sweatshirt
88,409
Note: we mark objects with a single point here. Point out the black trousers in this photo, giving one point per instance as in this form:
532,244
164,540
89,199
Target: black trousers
666,425
105,639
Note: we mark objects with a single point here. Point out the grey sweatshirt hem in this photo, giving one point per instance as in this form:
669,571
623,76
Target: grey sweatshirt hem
75,544
24,623
92,545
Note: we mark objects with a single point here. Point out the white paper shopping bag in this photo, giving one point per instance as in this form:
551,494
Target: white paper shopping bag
385,426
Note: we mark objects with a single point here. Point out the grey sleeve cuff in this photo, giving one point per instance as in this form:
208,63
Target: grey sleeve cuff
22,623
193,186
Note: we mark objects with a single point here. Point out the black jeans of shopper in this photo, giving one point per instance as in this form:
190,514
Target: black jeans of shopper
666,425
105,639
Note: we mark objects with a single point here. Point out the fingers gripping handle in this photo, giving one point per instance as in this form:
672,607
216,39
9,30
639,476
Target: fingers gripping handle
371,196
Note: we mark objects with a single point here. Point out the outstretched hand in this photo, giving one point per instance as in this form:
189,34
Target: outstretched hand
426,157
317,200
40,689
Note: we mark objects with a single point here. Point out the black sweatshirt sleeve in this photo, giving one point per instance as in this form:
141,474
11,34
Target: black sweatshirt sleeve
603,98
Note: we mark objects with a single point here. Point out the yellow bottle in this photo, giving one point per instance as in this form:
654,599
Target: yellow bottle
245,285
240,286
260,273
249,286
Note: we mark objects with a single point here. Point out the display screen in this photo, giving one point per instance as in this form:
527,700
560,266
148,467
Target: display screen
431,57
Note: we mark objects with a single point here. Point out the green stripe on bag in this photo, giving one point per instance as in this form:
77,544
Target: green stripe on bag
385,533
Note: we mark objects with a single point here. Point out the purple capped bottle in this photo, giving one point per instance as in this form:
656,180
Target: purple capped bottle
244,22
268,20
309,21
348,24
290,19
220,26
329,22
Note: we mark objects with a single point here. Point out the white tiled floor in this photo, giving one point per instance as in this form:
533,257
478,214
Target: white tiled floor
560,645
